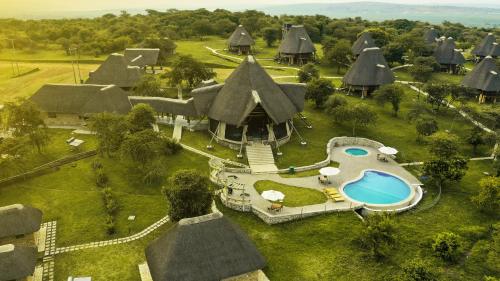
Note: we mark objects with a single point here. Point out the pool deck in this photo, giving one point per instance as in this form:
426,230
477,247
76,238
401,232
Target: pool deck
350,167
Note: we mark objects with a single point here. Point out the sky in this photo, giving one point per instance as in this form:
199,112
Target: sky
36,6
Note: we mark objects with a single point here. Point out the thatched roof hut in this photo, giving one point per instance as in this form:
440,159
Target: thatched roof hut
18,219
369,70
81,99
446,52
485,77
172,106
17,262
240,38
484,48
495,50
296,46
364,41
205,248
117,71
142,57
247,87
431,36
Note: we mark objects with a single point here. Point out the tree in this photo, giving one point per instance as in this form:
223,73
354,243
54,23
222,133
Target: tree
378,235
358,115
443,171
224,26
141,147
148,85
425,127
380,36
189,195
318,90
270,35
167,47
307,73
333,102
488,198
422,68
110,131
185,69
437,94
393,52
202,27
390,93
475,138
25,121
141,117
447,246
338,54
444,145
417,270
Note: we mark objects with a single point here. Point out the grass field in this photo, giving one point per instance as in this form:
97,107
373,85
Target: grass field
294,196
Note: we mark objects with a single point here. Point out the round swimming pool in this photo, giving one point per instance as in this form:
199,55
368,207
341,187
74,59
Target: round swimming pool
356,151
378,188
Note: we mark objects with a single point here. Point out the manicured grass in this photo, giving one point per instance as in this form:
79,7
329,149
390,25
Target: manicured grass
25,86
294,196
324,247
55,55
310,173
437,77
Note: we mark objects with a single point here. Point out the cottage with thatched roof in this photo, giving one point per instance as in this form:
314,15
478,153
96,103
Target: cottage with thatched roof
364,41
142,57
296,46
115,70
248,106
205,248
485,47
368,72
20,225
17,262
485,78
446,54
495,51
240,41
431,36
69,104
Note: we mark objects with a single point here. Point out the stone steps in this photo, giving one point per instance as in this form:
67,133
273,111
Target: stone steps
260,158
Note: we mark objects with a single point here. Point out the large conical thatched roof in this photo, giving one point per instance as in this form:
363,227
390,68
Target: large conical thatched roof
430,36
81,99
206,248
484,47
485,76
142,56
364,41
248,86
117,71
18,219
240,37
446,52
369,69
495,50
17,262
297,41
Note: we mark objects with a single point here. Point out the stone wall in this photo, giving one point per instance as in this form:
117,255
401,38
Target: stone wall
281,218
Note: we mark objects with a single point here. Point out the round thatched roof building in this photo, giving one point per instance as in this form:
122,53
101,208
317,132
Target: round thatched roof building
364,41
240,41
485,77
485,47
431,36
448,56
296,46
17,262
18,220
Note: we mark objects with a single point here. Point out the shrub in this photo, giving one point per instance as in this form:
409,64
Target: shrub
96,165
333,102
101,178
378,235
417,270
110,225
447,246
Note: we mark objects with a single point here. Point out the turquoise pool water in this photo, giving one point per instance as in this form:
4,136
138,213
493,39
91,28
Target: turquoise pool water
378,188
356,151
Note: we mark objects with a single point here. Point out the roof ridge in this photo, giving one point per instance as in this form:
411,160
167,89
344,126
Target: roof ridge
200,219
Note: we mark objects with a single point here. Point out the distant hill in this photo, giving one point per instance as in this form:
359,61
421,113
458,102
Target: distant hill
483,17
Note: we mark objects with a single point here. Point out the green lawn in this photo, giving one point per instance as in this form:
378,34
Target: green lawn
323,247
437,77
48,55
309,173
294,196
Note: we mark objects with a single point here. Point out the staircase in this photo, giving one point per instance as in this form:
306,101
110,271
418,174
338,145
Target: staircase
260,158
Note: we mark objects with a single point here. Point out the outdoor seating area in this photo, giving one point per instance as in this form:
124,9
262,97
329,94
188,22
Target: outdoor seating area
275,207
333,194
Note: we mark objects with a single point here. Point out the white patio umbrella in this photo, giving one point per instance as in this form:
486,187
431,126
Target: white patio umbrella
388,150
329,171
273,195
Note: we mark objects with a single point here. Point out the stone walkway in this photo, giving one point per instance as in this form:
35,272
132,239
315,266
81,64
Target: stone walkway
50,250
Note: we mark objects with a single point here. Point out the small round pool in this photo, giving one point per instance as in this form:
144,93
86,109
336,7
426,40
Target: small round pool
378,188
356,151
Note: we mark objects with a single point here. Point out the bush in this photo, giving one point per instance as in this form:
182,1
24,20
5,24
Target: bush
417,270
101,178
333,102
378,235
110,225
109,202
96,165
447,246
169,146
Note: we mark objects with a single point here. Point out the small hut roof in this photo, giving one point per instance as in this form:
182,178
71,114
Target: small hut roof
167,105
297,41
485,76
117,71
18,219
142,57
17,262
81,99
240,37
495,50
248,86
369,69
364,41
484,47
446,52
431,36
205,248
